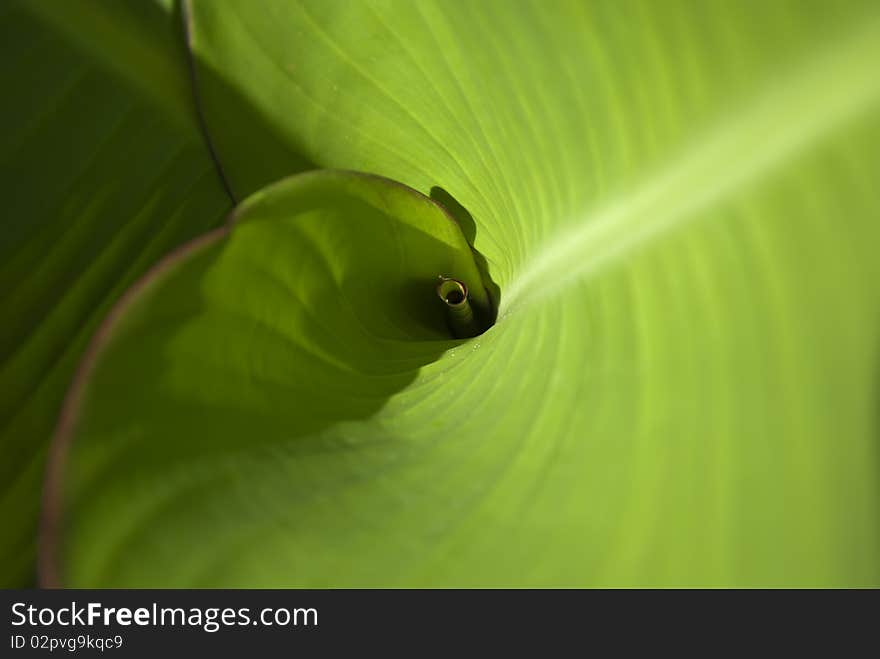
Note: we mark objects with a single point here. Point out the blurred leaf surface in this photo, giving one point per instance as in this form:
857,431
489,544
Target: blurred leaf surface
677,201
102,171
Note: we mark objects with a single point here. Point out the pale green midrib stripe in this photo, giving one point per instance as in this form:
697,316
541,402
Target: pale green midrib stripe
798,110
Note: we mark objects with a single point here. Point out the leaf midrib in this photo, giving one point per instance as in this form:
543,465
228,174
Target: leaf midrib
797,110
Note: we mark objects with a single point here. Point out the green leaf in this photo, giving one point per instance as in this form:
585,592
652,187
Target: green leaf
102,170
677,202
317,307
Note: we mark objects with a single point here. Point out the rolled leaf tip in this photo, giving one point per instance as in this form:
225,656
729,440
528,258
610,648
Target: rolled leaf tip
459,313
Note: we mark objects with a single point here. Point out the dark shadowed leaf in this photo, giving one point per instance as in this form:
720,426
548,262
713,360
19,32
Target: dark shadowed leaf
102,171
